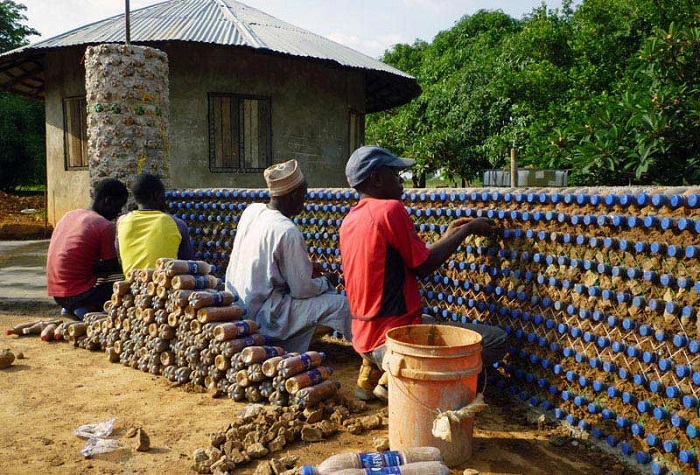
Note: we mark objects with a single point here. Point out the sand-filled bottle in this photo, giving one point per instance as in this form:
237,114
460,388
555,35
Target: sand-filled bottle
258,354
48,331
307,378
312,395
303,362
194,282
202,299
389,458
219,314
171,267
230,330
416,468
269,366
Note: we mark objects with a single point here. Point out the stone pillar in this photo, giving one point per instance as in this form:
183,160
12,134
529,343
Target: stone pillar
128,112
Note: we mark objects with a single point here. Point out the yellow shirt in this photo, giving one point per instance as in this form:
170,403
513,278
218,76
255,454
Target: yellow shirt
145,236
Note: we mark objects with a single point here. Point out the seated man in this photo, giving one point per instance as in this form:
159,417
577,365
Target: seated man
82,263
271,272
382,256
148,233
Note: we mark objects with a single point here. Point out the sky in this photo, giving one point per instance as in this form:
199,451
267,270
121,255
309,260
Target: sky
368,26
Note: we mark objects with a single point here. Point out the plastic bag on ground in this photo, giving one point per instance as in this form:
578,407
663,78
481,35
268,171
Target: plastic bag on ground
99,446
95,431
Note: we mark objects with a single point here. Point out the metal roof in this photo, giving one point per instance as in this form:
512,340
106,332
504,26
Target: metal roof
217,22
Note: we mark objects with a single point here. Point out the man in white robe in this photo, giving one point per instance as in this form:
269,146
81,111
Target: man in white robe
272,274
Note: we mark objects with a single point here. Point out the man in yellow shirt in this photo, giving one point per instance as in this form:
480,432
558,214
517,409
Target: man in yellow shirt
149,233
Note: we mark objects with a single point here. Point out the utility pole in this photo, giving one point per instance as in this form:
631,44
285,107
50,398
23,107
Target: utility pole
127,24
513,169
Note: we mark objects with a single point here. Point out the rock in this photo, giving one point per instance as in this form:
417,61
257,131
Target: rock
313,415
20,355
311,434
202,467
263,468
223,465
277,444
199,456
470,471
355,429
214,454
131,431
381,444
328,428
143,442
230,445
277,466
6,358
257,450
372,422
289,461
558,440
218,439
340,414
238,457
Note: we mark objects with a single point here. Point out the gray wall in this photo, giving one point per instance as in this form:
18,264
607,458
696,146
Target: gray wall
310,116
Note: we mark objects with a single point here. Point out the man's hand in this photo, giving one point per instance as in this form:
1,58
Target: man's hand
317,270
478,226
332,278
482,227
455,225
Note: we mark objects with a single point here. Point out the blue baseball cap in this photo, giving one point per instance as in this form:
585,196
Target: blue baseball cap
369,158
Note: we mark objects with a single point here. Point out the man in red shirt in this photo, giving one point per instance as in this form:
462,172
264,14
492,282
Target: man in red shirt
382,258
82,263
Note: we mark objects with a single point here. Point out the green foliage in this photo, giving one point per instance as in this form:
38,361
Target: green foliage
13,33
22,129
609,90
21,142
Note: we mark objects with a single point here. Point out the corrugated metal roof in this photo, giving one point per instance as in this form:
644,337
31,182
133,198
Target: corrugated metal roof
220,22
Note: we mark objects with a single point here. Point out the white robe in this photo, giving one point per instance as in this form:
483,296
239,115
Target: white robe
270,271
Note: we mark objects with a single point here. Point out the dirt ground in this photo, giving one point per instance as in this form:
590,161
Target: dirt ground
22,216
55,388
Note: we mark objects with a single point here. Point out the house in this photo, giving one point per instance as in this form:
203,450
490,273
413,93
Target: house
285,93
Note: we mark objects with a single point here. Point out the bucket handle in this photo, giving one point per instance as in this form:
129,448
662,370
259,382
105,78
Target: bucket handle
396,367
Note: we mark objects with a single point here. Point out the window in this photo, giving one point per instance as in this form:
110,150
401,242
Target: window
75,133
357,131
240,133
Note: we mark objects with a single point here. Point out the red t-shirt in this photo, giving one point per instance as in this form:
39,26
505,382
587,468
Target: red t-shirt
378,248
80,239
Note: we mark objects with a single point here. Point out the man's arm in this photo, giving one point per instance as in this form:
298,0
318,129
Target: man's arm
185,250
108,266
296,268
456,232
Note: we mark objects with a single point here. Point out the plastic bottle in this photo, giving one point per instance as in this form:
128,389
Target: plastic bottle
390,458
305,361
307,378
416,468
17,329
258,354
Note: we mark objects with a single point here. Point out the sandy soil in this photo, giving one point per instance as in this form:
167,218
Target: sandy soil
56,388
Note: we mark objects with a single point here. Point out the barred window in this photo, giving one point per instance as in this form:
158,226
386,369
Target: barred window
75,133
240,133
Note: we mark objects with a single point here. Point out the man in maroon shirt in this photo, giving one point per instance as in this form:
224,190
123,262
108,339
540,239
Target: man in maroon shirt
382,258
82,262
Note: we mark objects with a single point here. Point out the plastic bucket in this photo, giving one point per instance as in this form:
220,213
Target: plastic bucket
431,368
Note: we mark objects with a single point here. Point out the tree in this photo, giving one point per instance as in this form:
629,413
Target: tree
22,143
